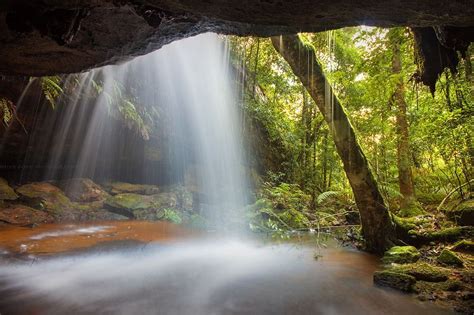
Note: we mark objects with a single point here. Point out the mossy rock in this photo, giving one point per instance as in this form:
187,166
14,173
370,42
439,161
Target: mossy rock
395,280
413,209
464,246
132,205
6,192
401,255
449,258
23,215
122,188
427,287
46,196
423,271
462,214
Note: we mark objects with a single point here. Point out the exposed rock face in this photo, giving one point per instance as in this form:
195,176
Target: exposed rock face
82,190
23,215
53,36
45,195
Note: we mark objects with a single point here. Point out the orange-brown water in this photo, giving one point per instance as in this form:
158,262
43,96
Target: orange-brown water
74,269
57,238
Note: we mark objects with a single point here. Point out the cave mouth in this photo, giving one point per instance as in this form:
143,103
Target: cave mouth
227,194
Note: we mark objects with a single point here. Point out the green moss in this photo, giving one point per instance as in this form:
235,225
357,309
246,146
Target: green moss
426,287
423,271
413,209
401,255
463,214
448,234
463,246
6,192
399,281
447,257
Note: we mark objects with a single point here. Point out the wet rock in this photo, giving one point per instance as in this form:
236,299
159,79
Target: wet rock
462,214
399,281
6,192
23,215
449,258
46,196
121,188
423,271
401,255
131,205
82,190
50,37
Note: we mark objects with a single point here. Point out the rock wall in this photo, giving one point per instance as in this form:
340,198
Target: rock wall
55,36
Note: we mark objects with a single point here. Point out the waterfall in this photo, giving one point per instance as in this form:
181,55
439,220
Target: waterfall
189,86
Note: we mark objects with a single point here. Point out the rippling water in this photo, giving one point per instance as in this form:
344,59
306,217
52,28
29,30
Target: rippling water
180,272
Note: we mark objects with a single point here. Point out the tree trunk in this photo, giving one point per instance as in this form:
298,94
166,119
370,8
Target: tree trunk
404,163
377,227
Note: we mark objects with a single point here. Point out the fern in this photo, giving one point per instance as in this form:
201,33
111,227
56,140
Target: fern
325,195
6,111
51,89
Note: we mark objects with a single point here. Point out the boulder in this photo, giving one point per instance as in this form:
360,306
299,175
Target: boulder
423,271
463,213
45,195
116,188
82,190
399,281
449,258
464,246
401,255
23,215
6,192
135,205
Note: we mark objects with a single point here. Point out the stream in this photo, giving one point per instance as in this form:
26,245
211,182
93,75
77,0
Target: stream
140,267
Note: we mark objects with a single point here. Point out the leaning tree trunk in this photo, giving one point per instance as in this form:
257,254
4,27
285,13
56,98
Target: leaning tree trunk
404,164
377,227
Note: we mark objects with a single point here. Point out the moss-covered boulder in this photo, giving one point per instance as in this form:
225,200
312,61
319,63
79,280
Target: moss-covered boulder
462,214
6,192
395,280
46,196
82,190
116,188
23,215
449,258
401,255
464,246
141,206
412,209
423,271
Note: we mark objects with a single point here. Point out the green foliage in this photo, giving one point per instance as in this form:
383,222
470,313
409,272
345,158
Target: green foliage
171,215
325,195
279,209
51,87
6,111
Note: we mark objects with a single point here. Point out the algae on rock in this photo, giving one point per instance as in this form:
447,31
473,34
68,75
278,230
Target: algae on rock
401,255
